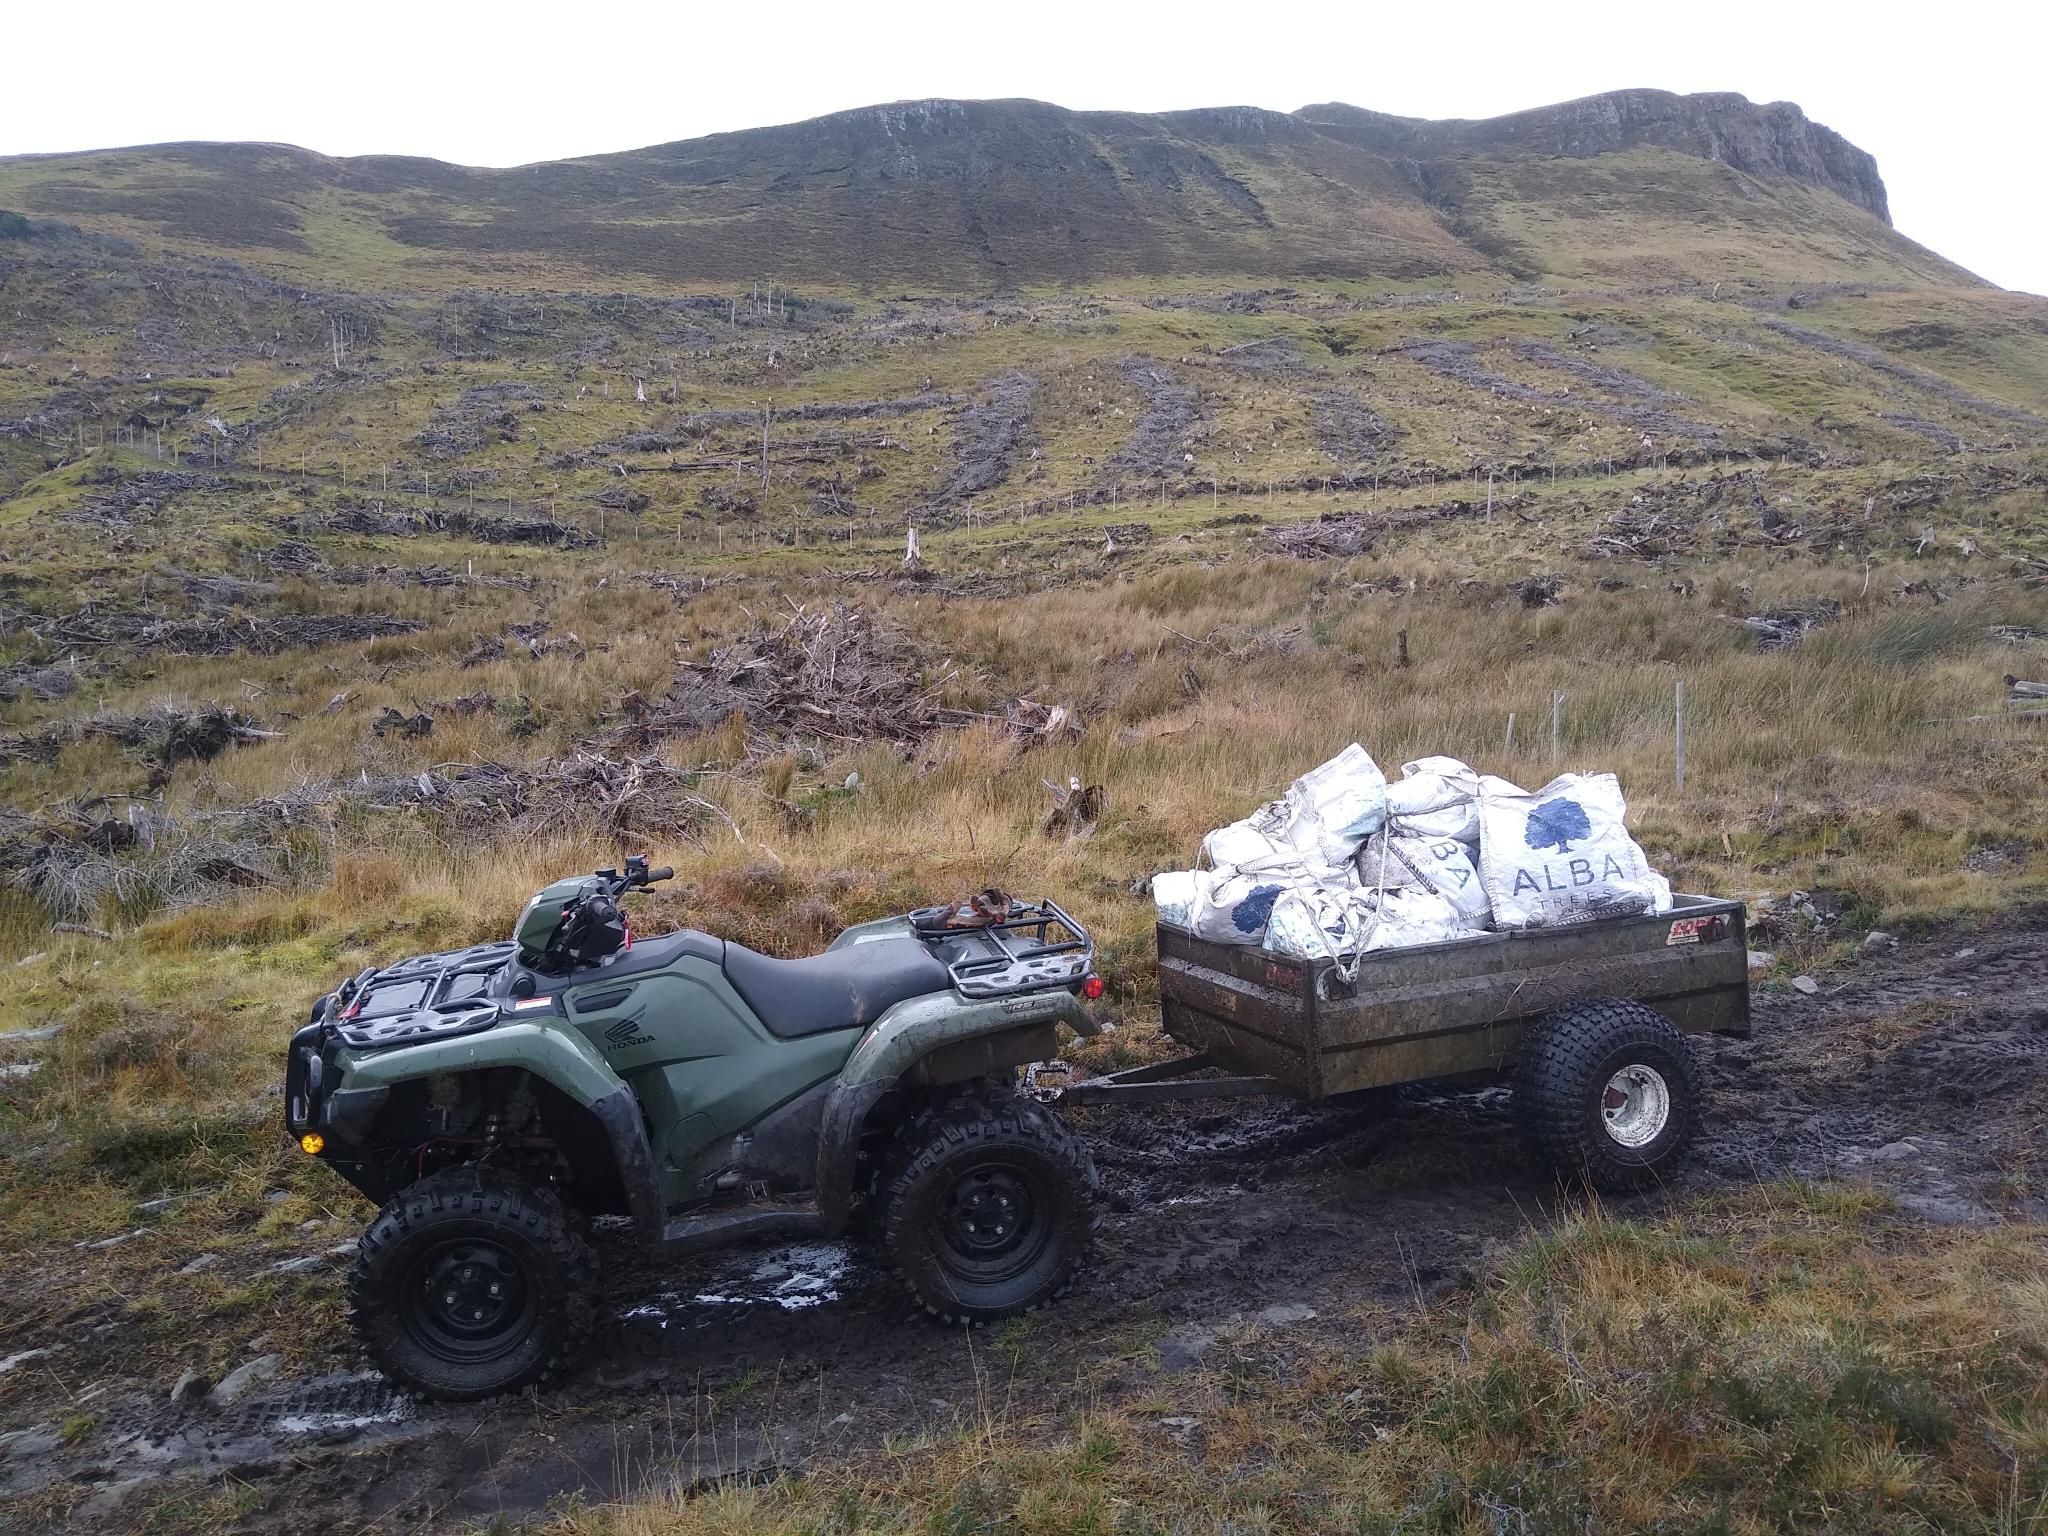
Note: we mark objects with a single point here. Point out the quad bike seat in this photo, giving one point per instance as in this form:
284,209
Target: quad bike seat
836,990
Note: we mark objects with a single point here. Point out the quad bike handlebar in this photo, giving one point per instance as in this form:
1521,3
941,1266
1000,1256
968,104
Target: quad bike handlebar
591,924
637,876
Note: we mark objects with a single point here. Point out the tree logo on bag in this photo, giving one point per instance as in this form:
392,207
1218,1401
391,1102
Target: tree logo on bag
1253,913
1555,823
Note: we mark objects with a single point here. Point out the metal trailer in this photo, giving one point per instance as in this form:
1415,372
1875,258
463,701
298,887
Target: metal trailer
1589,1019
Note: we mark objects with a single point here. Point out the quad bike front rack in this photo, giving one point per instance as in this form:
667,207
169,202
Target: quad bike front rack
427,997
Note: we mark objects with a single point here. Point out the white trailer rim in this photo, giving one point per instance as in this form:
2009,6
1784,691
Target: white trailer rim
1636,1105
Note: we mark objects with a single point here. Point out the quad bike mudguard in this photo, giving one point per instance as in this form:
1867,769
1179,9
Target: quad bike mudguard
562,1058
943,1034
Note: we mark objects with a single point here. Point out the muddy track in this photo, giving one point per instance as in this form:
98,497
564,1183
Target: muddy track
1923,1070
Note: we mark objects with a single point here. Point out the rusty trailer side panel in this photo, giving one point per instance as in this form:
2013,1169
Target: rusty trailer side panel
1441,1010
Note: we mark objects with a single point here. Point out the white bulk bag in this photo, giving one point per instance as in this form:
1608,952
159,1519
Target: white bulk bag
1321,924
1253,843
1435,797
1439,797
1173,893
1331,809
1230,907
1389,861
1563,855
1384,863
1317,825
1445,867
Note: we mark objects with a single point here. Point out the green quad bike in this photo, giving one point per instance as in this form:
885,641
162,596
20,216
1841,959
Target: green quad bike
491,1100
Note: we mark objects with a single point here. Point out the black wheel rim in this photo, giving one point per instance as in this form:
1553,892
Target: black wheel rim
470,1300
993,1223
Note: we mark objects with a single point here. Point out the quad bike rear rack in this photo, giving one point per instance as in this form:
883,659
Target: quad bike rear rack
1036,946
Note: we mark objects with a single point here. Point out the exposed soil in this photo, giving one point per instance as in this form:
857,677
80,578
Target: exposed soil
1923,1070
1906,373
1158,444
1644,410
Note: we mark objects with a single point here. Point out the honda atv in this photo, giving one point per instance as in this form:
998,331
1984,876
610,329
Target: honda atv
491,1100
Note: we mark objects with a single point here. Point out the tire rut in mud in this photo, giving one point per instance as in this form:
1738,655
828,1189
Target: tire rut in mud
1924,1072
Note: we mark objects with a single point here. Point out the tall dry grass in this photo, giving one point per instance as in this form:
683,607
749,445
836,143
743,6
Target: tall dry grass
1847,763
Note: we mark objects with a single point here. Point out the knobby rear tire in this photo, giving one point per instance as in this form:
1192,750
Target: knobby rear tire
965,1169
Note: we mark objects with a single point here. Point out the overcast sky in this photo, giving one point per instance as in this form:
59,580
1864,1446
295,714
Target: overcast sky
1948,97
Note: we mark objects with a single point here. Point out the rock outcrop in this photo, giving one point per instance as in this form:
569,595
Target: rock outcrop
1773,139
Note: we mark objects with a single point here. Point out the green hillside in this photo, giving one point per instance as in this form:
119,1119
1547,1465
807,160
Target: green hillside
973,196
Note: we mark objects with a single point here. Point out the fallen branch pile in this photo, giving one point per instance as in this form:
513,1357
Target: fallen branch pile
30,680
1779,628
82,859
90,628
839,674
1329,538
374,518
166,735
1641,533
1340,535
1239,644
634,797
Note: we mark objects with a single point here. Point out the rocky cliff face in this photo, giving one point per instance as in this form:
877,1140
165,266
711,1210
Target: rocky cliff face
1773,139
975,195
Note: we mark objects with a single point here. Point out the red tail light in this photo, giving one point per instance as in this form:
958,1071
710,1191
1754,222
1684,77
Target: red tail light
1092,988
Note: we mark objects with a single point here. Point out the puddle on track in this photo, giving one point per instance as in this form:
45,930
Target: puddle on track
793,1277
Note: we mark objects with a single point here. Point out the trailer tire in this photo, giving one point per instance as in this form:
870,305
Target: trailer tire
470,1283
1607,1093
990,1208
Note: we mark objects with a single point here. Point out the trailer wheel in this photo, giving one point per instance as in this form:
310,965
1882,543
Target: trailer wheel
1606,1092
990,1210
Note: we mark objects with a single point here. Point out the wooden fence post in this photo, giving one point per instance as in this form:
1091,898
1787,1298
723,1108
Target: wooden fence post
1678,732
